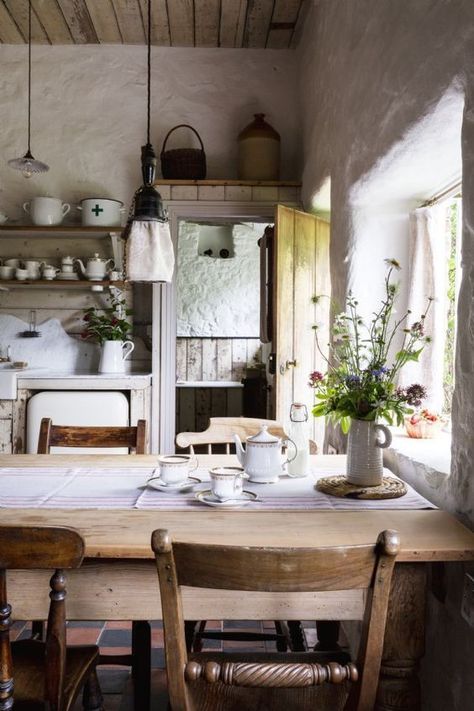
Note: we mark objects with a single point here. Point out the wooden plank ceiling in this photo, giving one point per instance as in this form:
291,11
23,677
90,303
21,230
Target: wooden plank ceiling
176,23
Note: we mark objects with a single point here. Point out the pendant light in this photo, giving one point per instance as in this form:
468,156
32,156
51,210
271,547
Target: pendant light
28,164
149,255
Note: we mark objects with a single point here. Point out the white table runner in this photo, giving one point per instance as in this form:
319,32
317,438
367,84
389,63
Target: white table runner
108,488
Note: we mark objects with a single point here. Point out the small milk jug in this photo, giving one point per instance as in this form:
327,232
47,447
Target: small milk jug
298,433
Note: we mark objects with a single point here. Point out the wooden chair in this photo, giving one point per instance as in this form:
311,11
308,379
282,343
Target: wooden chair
278,682
68,436
36,674
135,439
221,431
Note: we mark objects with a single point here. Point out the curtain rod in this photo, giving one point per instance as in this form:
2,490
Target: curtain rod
453,191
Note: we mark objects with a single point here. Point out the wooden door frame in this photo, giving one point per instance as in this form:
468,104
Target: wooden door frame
163,395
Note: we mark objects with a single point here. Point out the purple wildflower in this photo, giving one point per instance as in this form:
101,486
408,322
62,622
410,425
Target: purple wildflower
415,394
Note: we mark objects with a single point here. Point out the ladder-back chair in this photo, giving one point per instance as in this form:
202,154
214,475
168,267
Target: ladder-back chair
134,438
36,674
274,681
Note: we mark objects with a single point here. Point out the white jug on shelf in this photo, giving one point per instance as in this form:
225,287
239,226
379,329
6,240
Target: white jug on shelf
113,356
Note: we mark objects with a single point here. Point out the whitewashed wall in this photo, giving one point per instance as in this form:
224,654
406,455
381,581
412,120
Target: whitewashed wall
89,113
219,297
375,80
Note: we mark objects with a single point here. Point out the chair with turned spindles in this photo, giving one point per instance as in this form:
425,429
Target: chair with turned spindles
36,674
135,440
240,682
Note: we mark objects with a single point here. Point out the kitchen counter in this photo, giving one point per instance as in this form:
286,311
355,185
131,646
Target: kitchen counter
43,379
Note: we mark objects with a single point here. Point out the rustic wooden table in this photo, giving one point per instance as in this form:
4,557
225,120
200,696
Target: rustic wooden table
119,582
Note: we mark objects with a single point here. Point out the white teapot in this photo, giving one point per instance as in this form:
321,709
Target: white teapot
262,458
96,268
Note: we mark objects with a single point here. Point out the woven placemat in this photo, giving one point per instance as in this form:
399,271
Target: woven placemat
337,485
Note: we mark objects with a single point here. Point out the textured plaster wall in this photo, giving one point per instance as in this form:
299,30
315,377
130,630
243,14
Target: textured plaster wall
373,73
219,297
89,113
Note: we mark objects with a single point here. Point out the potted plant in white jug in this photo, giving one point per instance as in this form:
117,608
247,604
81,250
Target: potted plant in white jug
360,387
110,328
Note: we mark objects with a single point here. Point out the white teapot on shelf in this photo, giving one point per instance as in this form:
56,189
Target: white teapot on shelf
262,458
96,268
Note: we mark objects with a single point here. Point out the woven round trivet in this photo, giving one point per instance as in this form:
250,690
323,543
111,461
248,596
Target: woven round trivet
390,488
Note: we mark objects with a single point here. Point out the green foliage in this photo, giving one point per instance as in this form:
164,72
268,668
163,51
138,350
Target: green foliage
108,324
360,382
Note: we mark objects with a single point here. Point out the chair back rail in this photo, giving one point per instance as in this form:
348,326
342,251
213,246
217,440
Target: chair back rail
277,570
274,569
75,436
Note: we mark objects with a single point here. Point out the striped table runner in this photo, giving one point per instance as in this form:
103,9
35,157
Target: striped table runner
64,488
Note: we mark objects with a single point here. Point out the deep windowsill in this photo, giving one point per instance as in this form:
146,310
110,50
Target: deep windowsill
425,464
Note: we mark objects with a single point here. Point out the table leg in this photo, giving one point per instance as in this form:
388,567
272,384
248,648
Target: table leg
399,687
141,664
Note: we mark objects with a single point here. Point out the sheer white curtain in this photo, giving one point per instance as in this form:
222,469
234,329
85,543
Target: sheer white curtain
428,256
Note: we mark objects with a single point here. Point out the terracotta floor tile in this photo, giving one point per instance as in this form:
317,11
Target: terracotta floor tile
118,625
82,635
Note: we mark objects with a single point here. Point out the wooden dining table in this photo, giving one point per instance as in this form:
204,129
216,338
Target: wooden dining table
118,579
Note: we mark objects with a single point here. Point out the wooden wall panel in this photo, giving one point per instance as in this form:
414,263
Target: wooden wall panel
52,21
19,10
160,29
79,21
130,21
259,15
216,358
284,19
104,20
181,19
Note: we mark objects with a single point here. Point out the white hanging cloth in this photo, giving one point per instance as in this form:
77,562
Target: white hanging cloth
428,256
149,252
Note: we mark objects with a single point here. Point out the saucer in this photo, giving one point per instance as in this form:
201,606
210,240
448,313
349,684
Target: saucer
157,483
207,497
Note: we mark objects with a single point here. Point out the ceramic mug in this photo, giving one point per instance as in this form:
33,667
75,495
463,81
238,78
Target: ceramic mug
21,274
227,482
6,272
46,210
33,268
15,263
175,468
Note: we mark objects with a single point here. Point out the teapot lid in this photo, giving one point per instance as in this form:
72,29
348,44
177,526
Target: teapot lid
263,436
96,258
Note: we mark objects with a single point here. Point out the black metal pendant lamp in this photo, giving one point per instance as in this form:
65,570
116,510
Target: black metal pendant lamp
27,163
147,203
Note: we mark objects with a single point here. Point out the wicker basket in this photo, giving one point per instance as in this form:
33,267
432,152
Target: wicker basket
183,163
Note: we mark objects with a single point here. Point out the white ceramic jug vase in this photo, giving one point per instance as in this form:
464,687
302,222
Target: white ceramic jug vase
364,452
113,356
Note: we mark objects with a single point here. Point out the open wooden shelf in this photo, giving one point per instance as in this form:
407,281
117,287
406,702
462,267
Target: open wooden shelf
251,183
59,284
61,229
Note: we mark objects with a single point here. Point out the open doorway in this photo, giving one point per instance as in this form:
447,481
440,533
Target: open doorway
220,358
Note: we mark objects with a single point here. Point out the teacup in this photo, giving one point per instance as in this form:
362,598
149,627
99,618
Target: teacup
49,272
175,468
3,217
6,272
21,274
46,210
227,482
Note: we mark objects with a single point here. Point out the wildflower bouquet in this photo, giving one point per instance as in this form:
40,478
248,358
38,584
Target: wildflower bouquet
108,324
361,382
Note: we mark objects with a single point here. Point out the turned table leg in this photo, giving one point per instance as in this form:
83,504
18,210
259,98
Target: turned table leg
399,686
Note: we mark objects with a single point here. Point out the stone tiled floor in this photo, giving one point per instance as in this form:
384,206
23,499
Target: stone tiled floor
115,638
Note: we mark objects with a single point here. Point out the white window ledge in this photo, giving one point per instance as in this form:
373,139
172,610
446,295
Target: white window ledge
425,464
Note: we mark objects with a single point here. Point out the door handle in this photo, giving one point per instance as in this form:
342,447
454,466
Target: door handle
286,366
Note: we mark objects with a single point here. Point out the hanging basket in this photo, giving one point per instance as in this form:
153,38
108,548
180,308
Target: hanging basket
183,163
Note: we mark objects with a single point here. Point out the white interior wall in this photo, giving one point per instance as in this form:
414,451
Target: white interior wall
89,113
219,297
372,71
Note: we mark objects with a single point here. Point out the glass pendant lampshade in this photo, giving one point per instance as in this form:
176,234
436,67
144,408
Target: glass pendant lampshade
28,163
